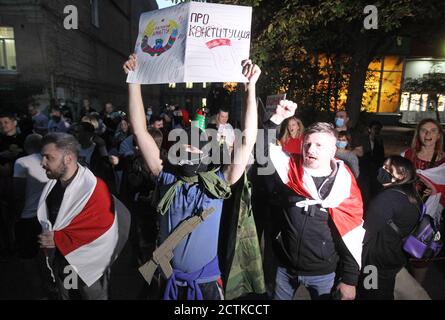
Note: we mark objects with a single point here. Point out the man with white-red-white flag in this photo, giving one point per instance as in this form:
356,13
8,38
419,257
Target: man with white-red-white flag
320,227
84,227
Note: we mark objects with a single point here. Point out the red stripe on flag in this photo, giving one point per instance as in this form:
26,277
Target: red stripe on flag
437,188
93,221
349,214
295,175
218,42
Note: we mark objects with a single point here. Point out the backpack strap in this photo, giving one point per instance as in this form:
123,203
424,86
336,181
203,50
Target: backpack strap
164,253
433,160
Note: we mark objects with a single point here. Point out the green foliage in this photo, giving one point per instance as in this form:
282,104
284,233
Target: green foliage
430,83
288,34
285,30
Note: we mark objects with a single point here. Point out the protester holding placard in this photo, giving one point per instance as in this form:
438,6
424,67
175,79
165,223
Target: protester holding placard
189,187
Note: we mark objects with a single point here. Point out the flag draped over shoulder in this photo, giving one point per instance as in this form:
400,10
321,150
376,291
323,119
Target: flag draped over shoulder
434,178
344,202
91,227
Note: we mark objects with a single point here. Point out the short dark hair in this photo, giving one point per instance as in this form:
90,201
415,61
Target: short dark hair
56,108
9,115
33,104
63,141
406,169
157,136
33,143
321,127
86,126
345,134
345,111
154,119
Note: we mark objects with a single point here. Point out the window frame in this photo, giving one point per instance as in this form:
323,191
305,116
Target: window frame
95,21
5,52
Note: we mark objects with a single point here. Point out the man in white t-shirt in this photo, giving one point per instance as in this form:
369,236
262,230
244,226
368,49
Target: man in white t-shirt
29,180
226,133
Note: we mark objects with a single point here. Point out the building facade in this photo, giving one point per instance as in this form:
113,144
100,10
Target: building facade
41,59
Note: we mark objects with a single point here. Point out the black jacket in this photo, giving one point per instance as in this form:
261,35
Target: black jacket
383,247
307,242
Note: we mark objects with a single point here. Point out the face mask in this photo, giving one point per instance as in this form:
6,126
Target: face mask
383,176
341,144
339,122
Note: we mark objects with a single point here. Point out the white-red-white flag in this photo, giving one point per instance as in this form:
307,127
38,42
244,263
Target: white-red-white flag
344,202
91,227
434,178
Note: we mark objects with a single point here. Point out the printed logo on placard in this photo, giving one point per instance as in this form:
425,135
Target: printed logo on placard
159,37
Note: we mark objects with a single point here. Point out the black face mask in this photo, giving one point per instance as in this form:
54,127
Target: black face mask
384,176
190,170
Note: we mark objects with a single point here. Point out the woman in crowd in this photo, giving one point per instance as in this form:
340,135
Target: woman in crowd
426,152
345,153
427,146
390,217
122,132
292,135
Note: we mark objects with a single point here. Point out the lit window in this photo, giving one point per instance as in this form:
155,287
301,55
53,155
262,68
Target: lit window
382,85
95,13
405,101
172,85
204,102
7,50
204,84
189,85
441,105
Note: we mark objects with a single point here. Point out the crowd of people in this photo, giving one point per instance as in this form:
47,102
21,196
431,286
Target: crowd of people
334,204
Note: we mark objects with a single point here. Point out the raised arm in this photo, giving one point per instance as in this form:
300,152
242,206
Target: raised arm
147,145
243,150
284,110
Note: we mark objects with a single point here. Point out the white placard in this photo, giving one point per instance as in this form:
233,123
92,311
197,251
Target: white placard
192,42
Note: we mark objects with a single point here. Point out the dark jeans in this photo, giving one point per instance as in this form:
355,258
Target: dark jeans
286,285
210,291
